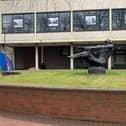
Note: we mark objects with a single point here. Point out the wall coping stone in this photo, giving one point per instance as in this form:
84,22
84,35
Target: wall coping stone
37,87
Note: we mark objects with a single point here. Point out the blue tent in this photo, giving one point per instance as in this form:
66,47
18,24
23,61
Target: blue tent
6,63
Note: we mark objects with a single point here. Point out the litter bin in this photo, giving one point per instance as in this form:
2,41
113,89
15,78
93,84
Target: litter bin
43,66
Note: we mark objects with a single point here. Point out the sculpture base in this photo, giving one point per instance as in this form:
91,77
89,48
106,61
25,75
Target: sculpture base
96,70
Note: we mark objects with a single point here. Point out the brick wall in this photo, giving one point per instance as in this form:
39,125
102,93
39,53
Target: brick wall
94,105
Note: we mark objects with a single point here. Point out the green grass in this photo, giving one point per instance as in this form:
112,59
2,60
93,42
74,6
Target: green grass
114,79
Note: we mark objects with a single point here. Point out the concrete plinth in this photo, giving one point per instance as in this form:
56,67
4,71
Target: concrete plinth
96,70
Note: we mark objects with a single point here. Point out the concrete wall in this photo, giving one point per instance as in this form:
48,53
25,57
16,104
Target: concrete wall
93,105
13,6
18,6
118,4
25,6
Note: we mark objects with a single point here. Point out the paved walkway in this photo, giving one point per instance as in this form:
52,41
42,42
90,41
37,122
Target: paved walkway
13,119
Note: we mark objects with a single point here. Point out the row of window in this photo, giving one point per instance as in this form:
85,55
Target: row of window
60,21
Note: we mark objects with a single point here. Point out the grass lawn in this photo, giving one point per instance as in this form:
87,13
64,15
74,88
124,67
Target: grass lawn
114,79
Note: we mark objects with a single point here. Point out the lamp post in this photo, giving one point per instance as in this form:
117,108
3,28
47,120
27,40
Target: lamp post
110,32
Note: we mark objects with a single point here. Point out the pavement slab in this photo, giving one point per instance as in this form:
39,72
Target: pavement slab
16,119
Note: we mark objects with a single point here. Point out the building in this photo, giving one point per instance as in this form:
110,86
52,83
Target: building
42,33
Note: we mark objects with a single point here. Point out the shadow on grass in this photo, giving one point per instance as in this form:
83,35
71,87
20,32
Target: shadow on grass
108,73
81,73
10,73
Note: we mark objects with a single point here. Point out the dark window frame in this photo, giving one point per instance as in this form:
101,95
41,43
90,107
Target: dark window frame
96,12
12,16
121,12
53,12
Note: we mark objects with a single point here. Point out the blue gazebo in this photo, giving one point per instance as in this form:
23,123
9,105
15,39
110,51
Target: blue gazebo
6,63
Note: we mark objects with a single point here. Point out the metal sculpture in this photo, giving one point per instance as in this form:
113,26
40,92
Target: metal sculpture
97,56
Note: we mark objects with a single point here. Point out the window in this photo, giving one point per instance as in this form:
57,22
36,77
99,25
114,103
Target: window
91,20
53,22
119,57
119,19
18,23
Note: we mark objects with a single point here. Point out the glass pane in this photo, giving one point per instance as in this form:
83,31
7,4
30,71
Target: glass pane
28,23
53,22
125,18
116,19
103,20
42,24
7,23
78,21
119,19
91,20
65,22
18,23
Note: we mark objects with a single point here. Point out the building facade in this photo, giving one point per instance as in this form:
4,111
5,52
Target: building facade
43,33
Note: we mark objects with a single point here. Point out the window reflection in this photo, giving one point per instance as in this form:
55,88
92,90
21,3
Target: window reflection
17,23
91,20
119,19
53,22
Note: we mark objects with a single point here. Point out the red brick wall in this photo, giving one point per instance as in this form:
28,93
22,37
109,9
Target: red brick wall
95,105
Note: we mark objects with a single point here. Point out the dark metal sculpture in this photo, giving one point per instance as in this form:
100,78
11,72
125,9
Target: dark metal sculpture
97,56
